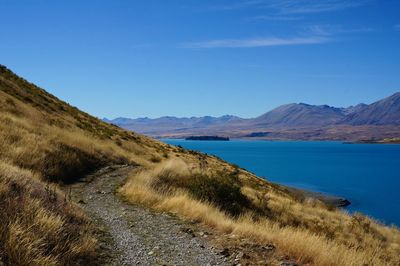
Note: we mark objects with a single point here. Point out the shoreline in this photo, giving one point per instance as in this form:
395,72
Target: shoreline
292,140
337,201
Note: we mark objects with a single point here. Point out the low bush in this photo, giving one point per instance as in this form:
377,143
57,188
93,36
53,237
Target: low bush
222,190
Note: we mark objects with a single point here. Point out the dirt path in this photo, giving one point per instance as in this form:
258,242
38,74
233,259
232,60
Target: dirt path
133,235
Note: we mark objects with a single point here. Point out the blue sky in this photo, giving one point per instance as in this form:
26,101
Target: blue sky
191,58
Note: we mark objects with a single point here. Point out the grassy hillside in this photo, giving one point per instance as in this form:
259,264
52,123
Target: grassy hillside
45,143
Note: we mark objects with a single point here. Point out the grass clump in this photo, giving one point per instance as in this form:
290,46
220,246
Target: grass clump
66,164
40,226
222,190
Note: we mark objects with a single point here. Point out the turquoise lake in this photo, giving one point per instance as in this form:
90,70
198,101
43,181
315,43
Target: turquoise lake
366,174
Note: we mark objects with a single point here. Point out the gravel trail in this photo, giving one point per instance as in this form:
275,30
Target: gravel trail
133,235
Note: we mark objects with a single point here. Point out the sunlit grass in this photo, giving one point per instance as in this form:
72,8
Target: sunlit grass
308,231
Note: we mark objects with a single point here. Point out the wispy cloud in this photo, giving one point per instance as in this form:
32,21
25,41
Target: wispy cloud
304,7
295,6
313,34
286,10
256,42
329,29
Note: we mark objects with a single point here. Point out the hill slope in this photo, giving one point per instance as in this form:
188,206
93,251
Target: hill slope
42,140
301,114
383,112
46,144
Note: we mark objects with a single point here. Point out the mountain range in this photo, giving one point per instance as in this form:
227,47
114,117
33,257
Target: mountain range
297,121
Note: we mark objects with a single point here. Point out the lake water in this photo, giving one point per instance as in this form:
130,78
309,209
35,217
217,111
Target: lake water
366,174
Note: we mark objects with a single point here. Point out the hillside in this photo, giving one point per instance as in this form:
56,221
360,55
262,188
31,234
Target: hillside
301,114
49,150
383,112
45,142
376,121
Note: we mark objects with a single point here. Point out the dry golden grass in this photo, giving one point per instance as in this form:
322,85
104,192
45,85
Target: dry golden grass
43,139
38,225
308,231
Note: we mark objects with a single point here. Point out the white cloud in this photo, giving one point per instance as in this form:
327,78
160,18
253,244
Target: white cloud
256,42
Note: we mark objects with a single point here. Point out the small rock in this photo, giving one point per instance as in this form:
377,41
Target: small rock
188,231
81,201
150,253
225,252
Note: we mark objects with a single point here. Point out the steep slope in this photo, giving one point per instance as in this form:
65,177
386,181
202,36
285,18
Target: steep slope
42,140
45,144
292,115
383,112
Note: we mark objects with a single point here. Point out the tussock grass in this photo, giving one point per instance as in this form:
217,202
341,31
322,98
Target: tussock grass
224,191
308,231
42,140
38,225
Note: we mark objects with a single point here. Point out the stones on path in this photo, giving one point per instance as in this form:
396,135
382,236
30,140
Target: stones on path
136,235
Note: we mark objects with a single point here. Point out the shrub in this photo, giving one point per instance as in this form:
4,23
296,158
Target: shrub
221,189
66,164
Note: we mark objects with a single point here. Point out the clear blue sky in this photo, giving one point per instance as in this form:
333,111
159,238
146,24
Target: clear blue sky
191,58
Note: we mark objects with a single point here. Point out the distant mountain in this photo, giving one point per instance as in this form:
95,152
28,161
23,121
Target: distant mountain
353,109
291,121
170,123
300,115
383,112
